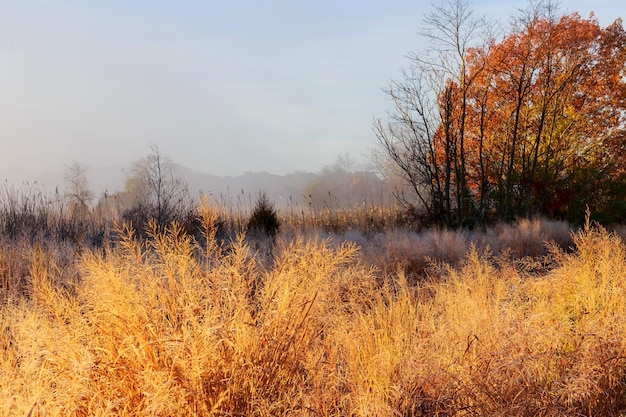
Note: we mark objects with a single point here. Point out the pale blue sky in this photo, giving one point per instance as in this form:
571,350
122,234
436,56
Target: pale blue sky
221,87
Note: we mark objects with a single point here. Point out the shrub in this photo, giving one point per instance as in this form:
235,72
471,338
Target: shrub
264,218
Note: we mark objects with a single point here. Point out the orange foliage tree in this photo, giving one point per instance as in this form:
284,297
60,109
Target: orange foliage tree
536,123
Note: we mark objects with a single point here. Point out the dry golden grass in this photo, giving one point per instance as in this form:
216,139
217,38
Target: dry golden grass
414,252
163,327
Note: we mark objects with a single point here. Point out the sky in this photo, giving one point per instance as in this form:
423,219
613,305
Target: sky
222,87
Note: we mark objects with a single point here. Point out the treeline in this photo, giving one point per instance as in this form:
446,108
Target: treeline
340,197
488,127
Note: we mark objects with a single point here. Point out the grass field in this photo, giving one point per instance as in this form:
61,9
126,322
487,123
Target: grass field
393,323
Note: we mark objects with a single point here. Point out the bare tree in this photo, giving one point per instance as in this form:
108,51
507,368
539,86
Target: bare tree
155,190
426,131
77,192
408,138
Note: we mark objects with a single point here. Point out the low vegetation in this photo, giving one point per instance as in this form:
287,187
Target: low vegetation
163,323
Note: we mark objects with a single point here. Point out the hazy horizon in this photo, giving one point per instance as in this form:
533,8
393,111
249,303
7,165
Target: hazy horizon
221,88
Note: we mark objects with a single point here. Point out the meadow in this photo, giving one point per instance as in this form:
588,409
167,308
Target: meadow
339,314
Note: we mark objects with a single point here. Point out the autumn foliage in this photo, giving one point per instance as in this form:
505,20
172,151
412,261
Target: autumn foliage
532,123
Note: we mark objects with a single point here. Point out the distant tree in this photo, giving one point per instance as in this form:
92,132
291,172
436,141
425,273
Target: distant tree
344,184
77,191
155,191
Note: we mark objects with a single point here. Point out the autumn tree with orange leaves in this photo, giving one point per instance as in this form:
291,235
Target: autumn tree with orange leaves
531,123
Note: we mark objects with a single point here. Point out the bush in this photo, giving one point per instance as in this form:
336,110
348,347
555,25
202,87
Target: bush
264,218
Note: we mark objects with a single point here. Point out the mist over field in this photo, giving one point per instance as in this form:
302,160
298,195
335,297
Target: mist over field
333,185
222,88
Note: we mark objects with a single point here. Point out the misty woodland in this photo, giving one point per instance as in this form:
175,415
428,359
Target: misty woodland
479,271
